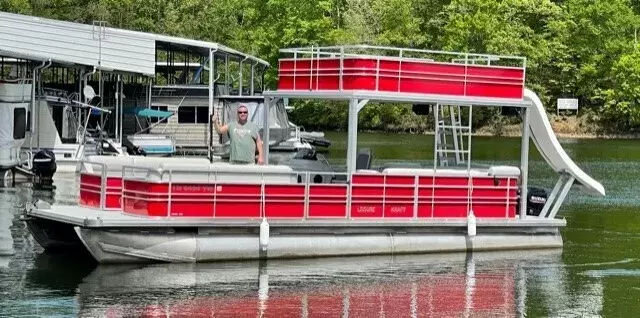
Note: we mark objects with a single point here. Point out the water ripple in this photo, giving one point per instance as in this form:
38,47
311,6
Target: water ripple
613,272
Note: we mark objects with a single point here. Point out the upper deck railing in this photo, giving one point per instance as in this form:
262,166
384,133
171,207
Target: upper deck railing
401,70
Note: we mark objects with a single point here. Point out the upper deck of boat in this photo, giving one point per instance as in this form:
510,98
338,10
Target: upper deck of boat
387,74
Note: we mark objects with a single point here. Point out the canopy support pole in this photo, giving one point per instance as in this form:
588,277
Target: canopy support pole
268,101
524,163
211,91
355,106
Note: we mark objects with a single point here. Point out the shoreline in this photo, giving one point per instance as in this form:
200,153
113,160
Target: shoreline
571,135
511,132
563,127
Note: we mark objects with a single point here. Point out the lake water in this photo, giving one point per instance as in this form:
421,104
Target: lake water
597,273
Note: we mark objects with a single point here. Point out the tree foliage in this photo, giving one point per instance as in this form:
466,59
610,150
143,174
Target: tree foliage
574,48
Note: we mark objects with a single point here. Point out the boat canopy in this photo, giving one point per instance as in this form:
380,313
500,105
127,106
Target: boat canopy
148,112
278,118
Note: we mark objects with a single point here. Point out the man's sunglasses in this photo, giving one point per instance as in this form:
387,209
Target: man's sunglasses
243,112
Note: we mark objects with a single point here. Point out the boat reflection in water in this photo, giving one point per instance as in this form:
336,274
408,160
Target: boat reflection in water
479,284
6,219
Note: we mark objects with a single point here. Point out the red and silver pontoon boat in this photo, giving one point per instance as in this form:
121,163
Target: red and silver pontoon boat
181,210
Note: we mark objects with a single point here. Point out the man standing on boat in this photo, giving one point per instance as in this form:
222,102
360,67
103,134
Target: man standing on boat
244,136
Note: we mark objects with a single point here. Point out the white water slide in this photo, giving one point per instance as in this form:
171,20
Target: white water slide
551,150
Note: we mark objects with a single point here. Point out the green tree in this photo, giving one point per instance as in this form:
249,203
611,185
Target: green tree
621,102
16,6
513,27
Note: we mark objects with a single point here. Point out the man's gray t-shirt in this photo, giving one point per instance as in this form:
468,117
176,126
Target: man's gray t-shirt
243,142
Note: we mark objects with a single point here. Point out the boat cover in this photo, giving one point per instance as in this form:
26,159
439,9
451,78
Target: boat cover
147,112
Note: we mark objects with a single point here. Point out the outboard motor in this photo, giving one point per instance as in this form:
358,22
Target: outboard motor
536,199
44,166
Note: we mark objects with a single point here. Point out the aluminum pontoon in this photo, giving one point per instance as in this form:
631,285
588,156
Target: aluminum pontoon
193,212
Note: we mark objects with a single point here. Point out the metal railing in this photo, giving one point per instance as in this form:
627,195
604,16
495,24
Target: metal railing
381,201
313,63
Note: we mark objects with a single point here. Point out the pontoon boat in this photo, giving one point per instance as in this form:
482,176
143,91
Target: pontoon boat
138,211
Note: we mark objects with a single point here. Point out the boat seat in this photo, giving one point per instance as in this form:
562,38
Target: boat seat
504,171
192,172
363,159
114,164
496,171
367,171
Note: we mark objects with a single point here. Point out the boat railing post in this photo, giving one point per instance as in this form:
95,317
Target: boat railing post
307,191
384,194
415,197
349,192
124,173
263,210
103,185
378,74
341,66
318,70
295,67
400,70
466,65
215,192
311,70
169,192
524,71
506,212
470,181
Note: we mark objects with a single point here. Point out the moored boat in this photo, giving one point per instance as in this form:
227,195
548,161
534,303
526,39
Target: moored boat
189,211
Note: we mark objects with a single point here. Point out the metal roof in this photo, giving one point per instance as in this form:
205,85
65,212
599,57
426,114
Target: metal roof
208,45
105,48
76,43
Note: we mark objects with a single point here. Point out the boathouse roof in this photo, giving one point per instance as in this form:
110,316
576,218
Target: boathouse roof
96,45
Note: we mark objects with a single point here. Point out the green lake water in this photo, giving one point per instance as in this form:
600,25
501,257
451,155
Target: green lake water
597,273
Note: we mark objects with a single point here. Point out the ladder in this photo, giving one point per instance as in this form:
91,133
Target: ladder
450,147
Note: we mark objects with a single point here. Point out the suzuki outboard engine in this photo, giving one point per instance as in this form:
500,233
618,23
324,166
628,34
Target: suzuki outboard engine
536,199
44,166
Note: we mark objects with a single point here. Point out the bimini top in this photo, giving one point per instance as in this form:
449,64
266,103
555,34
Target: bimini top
96,45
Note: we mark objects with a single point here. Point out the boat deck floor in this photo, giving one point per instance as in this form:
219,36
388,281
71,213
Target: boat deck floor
95,218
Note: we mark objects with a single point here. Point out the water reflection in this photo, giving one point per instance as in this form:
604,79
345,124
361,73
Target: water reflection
481,284
597,273
7,199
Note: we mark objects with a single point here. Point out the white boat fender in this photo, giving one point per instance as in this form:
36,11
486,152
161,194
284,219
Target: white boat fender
264,234
471,224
